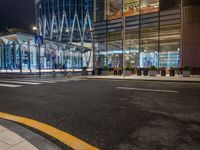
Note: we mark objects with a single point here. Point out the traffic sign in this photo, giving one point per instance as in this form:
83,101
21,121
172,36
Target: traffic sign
38,39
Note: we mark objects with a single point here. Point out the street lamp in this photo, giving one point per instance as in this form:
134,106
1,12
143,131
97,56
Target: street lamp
35,30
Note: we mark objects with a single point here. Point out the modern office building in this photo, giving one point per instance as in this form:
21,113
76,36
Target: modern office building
161,33
113,33
67,21
66,27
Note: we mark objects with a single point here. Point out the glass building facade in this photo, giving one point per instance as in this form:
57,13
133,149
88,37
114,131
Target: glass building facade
152,33
18,53
65,20
68,21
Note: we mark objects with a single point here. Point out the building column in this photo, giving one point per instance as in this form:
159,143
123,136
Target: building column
190,33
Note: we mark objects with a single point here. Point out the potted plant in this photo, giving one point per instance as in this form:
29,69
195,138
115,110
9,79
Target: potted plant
128,70
186,71
105,70
139,71
152,71
84,71
145,71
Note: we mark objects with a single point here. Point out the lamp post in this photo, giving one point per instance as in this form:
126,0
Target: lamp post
123,38
35,29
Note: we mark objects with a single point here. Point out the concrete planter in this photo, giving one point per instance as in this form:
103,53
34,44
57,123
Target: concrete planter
105,73
128,72
172,72
152,73
163,72
186,73
139,72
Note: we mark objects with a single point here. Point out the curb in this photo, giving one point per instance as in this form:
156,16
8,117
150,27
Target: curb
64,137
158,80
35,139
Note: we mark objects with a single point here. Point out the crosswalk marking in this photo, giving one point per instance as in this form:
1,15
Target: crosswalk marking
38,81
46,81
27,81
10,85
19,82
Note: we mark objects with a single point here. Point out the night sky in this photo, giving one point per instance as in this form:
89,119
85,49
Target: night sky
21,13
17,13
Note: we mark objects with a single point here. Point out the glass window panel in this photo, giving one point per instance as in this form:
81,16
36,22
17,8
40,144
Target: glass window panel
99,13
131,7
170,46
114,54
149,6
149,47
169,4
114,9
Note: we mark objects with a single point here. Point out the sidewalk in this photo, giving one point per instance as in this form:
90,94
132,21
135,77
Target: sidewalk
147,78
16,137
11,141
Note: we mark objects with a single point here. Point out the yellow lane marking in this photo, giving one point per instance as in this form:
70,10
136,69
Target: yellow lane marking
62,136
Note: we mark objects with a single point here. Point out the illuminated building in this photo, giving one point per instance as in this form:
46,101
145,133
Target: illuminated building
153,33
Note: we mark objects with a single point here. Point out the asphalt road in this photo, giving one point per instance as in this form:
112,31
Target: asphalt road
145,117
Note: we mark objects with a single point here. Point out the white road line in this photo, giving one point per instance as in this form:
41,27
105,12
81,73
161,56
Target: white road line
61,80
46,81
148,90
11,85
18,82
39,81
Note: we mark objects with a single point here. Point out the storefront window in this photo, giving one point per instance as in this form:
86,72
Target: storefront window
170,46
100,53
149,47
114,54
132,48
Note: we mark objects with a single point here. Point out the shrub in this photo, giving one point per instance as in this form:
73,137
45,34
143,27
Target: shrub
152,68
128,68
186,67
105,68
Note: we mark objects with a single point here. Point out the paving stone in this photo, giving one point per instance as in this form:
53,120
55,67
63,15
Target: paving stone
10,138
2,128
33,138
4,146
23,146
